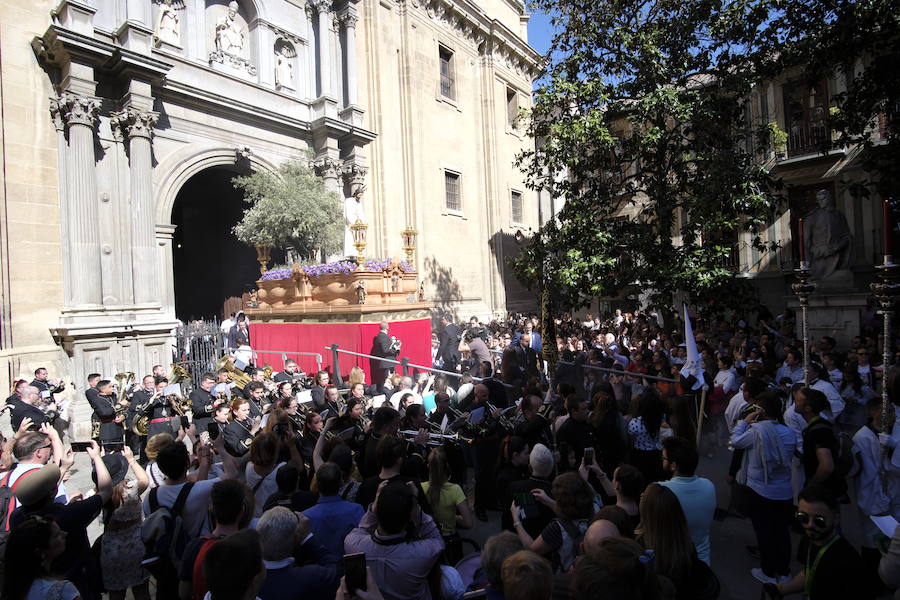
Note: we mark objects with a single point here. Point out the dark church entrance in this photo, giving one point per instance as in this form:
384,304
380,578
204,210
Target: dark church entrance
211,265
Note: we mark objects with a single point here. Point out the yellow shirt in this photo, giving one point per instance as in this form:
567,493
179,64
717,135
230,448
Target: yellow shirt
445,511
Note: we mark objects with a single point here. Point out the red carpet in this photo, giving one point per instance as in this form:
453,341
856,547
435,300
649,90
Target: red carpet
356,337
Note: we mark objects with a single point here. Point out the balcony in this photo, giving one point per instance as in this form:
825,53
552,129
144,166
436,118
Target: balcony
807,137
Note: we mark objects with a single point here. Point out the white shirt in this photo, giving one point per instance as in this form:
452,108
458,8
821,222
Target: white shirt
834,398
22,468
195,514
268,486
727,380
395,399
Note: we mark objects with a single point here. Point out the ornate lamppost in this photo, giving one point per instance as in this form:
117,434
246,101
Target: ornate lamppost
885,290
409,242
358,231
803,289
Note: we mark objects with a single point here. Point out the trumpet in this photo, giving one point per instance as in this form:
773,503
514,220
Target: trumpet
503,420
434,439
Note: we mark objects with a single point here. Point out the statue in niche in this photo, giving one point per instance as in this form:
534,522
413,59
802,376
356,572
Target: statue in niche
354,211
284,67
168,23
827,237
395,283
230,34
361,292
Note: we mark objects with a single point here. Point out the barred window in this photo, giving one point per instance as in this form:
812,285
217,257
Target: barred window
516,206
451,189
447,88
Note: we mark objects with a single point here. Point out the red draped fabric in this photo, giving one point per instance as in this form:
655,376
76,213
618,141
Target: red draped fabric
356,337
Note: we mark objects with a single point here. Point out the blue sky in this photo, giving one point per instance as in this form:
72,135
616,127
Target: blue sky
540,32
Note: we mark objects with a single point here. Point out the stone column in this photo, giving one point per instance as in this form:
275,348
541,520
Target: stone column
80,114
324,43
58,115
330,170
137,126
350,19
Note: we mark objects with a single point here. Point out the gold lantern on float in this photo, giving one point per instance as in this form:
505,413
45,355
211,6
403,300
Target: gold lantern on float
358,231
409,243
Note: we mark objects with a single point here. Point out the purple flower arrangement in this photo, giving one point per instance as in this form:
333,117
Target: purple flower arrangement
284,273
377,265
341,267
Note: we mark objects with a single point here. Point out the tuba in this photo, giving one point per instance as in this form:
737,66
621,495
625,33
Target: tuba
235,375
180,405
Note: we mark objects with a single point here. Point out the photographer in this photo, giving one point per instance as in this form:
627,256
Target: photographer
766,470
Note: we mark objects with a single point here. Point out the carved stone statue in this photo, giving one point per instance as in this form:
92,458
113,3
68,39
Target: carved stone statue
395,283
230,34
284,67
168,23
354,211
421,293
361,292
827,238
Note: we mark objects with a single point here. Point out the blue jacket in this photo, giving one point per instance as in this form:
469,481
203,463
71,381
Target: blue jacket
331,519
317,579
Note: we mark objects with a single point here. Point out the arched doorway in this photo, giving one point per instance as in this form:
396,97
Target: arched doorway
210,264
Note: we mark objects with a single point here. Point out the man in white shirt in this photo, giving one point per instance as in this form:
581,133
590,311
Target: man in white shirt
226,326
406,385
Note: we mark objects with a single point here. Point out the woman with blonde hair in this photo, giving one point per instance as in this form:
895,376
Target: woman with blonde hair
451,510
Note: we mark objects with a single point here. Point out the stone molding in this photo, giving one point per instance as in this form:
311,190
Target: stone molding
354,175
328,167
131,122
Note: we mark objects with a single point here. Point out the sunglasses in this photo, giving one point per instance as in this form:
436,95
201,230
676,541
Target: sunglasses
803,519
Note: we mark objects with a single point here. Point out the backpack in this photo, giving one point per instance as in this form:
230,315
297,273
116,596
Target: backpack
163,531
7,506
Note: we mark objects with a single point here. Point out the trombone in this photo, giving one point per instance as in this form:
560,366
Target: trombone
434,439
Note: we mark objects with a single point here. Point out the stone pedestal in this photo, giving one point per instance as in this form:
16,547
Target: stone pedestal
834,314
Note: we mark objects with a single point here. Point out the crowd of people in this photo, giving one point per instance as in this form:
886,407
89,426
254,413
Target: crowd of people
278,485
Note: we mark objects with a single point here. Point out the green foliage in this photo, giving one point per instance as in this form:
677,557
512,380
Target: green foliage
290,208
858,42
641,126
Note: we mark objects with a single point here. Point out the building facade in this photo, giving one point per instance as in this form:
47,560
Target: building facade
123,123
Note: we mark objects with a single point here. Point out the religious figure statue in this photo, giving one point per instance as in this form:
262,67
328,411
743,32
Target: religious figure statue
168,23
230,33
827,238
361,292
284,68
395,283
421,293
354,211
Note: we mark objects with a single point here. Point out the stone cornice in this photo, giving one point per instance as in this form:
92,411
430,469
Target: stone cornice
59,44
290,36
492,38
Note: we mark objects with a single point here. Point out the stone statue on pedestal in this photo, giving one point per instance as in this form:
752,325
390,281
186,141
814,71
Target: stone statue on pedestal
828,239
284,69
354,211
168,23
229,32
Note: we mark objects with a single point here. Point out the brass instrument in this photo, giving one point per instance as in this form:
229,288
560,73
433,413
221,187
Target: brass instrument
483,426
434,439
125,381
141,422
546,411
180,405
235,375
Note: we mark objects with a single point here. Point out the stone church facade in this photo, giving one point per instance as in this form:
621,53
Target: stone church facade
110,107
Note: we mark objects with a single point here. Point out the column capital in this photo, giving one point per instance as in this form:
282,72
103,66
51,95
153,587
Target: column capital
328,167
349,18
355,176
322,6
131,122
71,109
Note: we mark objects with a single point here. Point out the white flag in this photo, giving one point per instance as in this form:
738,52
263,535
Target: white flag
692,364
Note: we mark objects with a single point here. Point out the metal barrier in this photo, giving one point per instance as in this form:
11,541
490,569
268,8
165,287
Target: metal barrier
283,354
618,372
